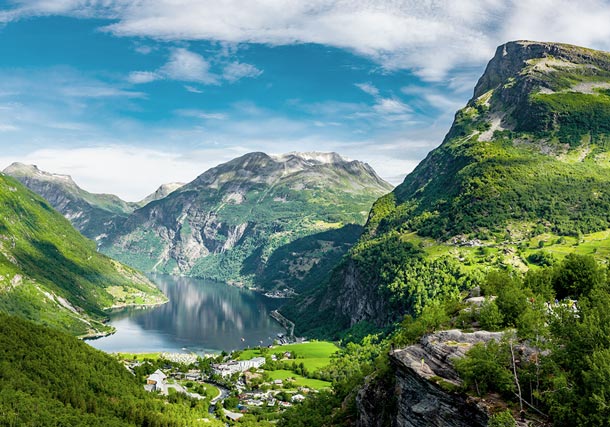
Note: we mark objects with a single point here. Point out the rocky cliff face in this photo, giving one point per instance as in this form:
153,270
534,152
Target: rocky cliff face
227,223
424,376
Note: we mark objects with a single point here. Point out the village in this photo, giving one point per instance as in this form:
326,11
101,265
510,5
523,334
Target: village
264,380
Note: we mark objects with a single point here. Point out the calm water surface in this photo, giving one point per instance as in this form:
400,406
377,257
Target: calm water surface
201,316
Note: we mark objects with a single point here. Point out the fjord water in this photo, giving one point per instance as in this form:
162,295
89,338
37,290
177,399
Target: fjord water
201,316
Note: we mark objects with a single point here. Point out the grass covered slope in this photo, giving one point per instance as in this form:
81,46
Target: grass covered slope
51,274
521,179
49,378
532,146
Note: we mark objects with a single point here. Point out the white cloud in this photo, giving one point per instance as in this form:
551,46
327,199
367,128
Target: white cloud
368,88
192,89
139,77
136,171
188,66
391,106
385,108
99,90
202,114
430,37
7,128
184,65
238,70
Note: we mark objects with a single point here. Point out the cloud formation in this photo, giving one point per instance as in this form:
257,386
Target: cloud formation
431,38
187,66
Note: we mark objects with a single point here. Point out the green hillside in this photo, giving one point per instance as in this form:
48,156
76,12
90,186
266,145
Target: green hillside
51,274
520,181
91,214
52,379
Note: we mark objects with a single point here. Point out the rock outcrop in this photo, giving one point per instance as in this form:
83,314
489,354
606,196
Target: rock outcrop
424,386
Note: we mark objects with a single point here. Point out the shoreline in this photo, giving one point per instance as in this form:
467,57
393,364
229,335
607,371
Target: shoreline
117,308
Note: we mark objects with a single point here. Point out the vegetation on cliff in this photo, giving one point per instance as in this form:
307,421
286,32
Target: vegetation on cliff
519,182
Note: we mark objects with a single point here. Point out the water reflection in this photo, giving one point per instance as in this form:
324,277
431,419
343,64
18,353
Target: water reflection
201,316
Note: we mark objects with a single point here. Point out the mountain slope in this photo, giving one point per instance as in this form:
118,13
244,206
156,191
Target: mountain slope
92,214
227,223
50,379
51,274
522,178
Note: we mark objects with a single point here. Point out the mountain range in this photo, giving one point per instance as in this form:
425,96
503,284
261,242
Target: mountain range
228,222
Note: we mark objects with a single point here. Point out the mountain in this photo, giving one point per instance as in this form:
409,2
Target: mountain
92,214
51,274
521,179
161,192
229,221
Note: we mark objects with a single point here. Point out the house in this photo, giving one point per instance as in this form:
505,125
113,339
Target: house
233,416
156,381
297,398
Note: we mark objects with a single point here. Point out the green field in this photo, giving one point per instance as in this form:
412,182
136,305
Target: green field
211,390
313,355
299,381
138,356
318,350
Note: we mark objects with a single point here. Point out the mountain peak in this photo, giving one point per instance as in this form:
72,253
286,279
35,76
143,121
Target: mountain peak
22,170
523,58
163,191
316,156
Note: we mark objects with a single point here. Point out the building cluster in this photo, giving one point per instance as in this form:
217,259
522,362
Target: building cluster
237,366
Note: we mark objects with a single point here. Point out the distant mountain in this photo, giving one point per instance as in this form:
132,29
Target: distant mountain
161,192
521,179
51,274
228,222
92,214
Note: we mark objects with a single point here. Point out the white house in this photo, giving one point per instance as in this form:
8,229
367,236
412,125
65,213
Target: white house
156,381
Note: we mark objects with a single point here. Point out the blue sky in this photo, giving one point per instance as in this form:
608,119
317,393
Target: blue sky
125,95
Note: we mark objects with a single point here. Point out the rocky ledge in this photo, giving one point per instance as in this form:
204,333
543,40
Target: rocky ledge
425,377
425,389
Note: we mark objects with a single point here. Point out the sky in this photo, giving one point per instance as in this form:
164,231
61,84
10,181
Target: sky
125,95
